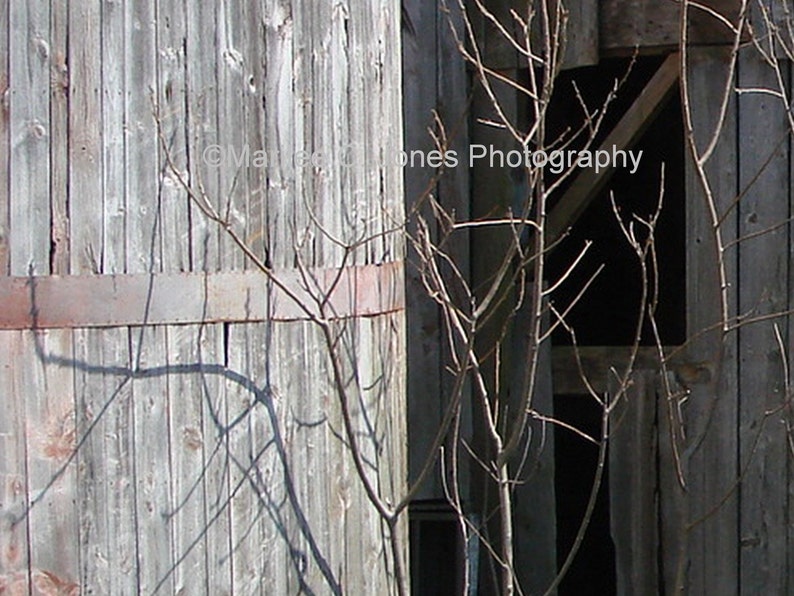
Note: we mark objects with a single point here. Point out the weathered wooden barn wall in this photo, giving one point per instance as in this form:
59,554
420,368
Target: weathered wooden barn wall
709,510
729,530
740,539
206,456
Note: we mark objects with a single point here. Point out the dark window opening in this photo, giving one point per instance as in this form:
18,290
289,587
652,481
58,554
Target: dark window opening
608,313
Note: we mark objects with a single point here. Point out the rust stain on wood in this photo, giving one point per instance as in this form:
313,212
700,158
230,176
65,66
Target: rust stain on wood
182,298
56,439
45,583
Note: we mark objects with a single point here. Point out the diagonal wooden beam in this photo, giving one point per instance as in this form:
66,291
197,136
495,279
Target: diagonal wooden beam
626,133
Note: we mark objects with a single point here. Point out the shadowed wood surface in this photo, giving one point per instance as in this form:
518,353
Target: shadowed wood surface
655,24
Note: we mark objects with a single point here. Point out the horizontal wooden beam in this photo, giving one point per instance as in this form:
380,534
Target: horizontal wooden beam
184,298
617,28
597,362
589,182
628,25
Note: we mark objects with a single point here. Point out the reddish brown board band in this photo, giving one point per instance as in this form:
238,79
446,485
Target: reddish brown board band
80,301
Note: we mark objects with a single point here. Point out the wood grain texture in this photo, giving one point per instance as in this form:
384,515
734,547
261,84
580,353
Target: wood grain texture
711,411
29,127
202,127
89,143
186,513
50,432
764,289
102,242
582,33
649,24
454,196
215,447
5,138
76,301
59,148
424,322
105,460
633,485
14,531
211,458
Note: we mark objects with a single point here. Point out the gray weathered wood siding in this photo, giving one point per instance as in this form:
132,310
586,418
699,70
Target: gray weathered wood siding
206,457
720,499
736,454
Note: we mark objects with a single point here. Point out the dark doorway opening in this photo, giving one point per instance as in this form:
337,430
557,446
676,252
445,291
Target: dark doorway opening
437,549
593,570
608,314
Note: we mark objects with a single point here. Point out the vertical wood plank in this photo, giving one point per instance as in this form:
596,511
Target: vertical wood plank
214,414
246,514
369,416
108,557
581,42
100,241
534,504
52,473
790,341
5,137
144,208
420,78
454,195
309,529
144,254
150,460
269,442
633,485
171,97
253,93
233,184
59,150
711,408
349,66
315,438
14,530
340,484
672,502
186,513
763,289
29,54
279,117
90,141
392,206
202,127
314,67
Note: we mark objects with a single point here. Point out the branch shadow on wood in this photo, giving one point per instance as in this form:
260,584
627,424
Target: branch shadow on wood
278,508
